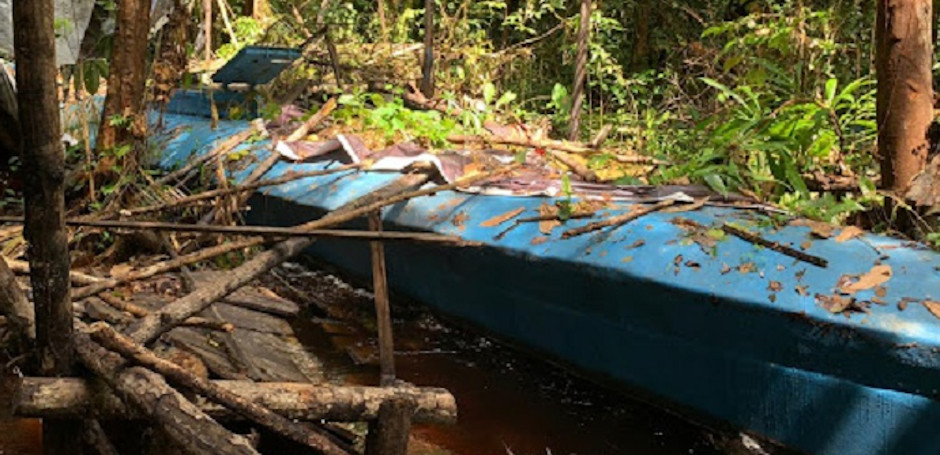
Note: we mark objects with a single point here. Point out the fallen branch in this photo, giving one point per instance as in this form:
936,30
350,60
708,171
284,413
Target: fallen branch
776,246
71,398
150,395
637,212
581,170
22,267
107,337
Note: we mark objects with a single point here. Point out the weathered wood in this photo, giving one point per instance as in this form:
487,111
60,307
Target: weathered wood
14,304
150,395
388,435
619,220
152,326
77,398
300,433
383,315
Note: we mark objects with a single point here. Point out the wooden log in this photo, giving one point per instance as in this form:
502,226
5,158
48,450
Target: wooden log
14,304
296,432
76,398
388,435
383,315
637,212
151,396
152,326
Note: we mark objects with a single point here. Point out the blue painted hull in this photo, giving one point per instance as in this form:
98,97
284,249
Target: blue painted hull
683,329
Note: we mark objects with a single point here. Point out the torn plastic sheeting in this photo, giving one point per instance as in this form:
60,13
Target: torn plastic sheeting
71,18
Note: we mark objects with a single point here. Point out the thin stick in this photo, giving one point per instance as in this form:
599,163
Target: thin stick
267,232
383,316
540,218
223,148
776,246
619,220
303,434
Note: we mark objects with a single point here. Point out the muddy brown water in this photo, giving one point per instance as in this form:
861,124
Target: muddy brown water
509,402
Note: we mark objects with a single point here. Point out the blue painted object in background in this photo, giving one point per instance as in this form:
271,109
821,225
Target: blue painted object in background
255,65
643,305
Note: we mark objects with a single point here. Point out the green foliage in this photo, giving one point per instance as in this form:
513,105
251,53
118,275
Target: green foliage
392,118
247,30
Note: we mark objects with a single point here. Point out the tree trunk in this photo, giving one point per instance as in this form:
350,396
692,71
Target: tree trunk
580,71
124,120
641,47
427,69
905,88
43,160
388,435
383,24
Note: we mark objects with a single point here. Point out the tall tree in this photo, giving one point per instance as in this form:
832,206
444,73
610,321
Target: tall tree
127,77
43,159
427,70
580,71
903,62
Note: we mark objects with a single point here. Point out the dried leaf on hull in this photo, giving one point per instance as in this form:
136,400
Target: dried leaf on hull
849,233
839,304
878,275
500,219
817,228
546,226
932,307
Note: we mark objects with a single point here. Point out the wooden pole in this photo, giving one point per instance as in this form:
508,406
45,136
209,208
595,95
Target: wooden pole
905,88
43,173
383,316
580,71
